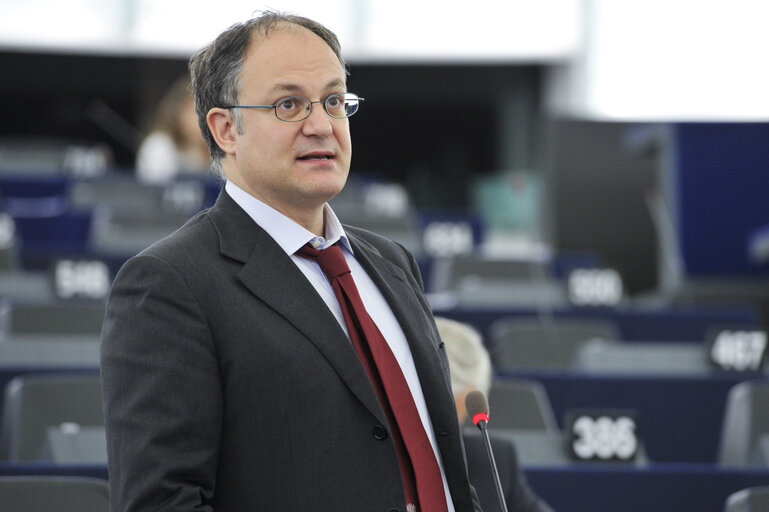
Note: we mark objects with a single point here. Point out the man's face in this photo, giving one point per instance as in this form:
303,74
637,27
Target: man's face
297,166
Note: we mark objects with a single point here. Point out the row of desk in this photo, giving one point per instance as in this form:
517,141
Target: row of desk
679,419
580,488
678,323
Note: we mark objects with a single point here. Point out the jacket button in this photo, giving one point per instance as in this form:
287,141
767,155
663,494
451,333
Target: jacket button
379,432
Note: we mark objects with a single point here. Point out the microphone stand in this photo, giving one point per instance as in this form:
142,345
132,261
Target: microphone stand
482,424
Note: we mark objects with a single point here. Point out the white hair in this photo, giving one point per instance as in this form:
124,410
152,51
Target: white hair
468,359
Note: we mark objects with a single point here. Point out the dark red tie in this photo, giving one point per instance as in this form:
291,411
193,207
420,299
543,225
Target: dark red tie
419,467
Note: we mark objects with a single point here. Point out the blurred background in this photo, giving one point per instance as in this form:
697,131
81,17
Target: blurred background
583,181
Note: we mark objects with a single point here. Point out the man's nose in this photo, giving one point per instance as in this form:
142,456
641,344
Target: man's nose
318,123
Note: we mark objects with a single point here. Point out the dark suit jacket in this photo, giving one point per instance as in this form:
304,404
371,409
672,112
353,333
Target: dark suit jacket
229,385
519,497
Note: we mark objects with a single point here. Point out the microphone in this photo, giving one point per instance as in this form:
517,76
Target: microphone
478,409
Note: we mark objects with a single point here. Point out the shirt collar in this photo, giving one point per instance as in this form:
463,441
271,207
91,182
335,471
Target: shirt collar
289,235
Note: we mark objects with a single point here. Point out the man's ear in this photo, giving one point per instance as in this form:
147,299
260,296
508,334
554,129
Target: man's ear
222,128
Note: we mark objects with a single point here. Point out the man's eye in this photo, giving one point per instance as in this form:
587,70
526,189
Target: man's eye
334,102
287,104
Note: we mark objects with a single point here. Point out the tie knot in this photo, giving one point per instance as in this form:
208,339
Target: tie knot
331,259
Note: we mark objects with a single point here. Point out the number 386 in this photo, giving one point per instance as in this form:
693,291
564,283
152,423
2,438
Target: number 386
604,438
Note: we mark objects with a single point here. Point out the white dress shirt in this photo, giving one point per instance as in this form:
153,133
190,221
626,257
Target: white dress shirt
291,236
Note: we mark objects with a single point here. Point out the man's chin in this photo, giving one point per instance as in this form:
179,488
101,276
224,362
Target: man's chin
329,186
329,194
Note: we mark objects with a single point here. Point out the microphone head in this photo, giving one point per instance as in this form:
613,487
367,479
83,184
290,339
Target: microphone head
477,406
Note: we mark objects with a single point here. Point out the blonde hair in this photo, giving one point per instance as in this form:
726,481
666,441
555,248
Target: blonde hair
166,117
469,361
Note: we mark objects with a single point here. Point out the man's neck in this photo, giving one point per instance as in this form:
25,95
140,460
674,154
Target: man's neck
310,218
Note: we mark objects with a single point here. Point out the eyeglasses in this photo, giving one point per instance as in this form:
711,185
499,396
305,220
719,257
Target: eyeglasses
298,108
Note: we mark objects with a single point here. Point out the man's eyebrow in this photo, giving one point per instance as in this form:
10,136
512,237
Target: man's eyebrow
337,82
286,88
294,88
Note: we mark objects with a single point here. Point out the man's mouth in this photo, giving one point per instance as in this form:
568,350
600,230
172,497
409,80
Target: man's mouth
316,156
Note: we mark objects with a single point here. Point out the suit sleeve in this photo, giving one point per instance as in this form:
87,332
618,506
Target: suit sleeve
162,392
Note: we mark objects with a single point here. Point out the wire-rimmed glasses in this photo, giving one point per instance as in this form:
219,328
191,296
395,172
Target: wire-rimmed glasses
297,108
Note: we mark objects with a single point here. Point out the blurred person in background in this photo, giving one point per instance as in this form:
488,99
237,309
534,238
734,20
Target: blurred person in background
239,369
174,144
471,370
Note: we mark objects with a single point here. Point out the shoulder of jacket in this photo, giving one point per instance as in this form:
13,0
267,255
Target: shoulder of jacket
190,238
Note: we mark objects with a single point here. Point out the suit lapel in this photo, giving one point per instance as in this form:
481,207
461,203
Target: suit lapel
275,280
436,387
399,293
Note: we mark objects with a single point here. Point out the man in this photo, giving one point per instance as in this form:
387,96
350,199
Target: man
230,380
471,370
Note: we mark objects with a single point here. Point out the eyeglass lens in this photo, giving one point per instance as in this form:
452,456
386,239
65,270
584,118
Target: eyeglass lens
296,108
